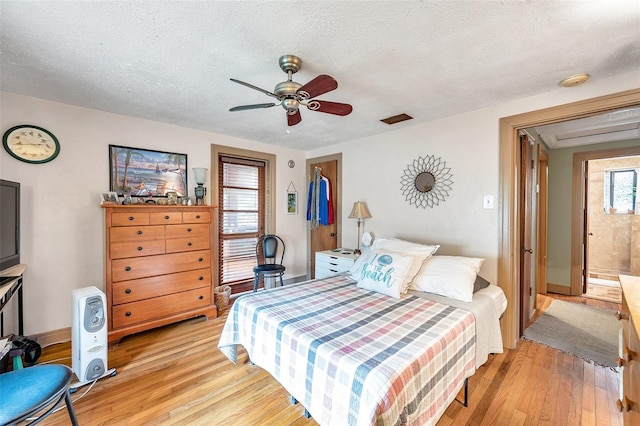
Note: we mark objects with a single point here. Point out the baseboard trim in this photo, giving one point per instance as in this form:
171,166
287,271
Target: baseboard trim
52,337
560,289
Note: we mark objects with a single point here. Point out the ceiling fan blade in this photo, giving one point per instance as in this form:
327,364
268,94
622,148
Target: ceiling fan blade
293,119
251,86
319,85
336,108
254,106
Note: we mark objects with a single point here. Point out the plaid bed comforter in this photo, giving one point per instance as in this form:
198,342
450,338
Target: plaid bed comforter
355,357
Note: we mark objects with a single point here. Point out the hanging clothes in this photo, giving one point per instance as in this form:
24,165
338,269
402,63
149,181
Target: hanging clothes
320,201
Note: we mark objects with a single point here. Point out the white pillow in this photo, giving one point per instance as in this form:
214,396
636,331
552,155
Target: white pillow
420,253
384,272
449,276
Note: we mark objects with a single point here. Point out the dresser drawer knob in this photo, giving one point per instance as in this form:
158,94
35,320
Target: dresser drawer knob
130,217
128,291
201,297
139,232
189,244
197,216
128,313
200,278
626,405
200,259
621,316
127,268
139,248
166,217
188,229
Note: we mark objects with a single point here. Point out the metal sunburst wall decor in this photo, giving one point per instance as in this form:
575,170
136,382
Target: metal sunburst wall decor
426,182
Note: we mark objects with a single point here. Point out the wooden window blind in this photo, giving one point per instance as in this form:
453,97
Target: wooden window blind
241,221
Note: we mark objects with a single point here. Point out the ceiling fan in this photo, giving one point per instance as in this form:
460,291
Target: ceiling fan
291,94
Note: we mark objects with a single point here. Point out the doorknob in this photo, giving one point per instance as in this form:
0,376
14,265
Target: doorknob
333,234
525,250
590,233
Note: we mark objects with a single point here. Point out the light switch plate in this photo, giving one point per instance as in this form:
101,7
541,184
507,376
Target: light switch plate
487,202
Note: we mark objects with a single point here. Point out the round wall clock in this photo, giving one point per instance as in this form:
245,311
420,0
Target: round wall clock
31,144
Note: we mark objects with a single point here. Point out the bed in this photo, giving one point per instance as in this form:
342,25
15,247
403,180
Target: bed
352,356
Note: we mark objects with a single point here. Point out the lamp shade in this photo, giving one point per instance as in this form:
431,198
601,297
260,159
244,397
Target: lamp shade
200,175
359,211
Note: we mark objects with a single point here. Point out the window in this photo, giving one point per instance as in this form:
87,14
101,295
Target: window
241,193
620,189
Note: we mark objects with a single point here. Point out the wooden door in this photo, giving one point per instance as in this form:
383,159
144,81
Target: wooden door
526,251
325,237
585,232
543,215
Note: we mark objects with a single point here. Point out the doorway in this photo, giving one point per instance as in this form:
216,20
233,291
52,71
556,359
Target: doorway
610,221
326,235
509,241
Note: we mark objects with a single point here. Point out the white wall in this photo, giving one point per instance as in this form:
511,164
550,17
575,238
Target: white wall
469,143
62,232
62,235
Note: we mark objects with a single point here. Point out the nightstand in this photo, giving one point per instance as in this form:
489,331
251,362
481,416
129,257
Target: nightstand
329,263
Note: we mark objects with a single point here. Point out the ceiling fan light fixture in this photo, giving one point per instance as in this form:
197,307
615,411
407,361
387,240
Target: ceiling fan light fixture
574,80
291,105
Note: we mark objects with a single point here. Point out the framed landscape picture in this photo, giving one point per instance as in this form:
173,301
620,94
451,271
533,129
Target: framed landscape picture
144,172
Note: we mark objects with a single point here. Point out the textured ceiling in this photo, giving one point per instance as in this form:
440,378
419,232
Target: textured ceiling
171,61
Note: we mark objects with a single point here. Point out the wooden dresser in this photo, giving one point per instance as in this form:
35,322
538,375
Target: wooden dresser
159,263
630,350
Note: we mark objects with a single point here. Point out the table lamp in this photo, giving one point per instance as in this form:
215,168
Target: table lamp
200,176
360,212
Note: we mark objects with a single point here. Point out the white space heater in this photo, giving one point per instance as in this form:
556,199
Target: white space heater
89,345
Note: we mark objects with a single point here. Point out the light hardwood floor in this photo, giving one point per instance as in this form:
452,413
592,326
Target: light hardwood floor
175,375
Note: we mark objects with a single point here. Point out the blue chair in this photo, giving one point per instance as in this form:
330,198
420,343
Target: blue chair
26,392
269,249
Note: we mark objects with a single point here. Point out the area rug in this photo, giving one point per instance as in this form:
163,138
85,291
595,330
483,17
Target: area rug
587,332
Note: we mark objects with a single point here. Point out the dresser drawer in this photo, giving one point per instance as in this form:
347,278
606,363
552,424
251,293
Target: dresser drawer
139,248
196,217
162,218
190,230
338,264
136,233
325,272
194,242
149,266
158,307
128,219
146,288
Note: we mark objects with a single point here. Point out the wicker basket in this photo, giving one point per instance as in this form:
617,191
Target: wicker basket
222,296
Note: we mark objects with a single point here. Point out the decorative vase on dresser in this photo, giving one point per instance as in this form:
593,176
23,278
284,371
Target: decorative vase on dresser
159,266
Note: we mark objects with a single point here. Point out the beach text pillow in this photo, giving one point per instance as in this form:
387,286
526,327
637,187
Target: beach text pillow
384,272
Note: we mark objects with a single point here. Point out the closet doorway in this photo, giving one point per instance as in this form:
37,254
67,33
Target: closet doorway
325,237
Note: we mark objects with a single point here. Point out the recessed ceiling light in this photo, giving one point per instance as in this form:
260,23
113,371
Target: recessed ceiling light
574,80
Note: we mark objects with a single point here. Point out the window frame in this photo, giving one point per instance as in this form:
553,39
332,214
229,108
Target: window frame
269,196
611,180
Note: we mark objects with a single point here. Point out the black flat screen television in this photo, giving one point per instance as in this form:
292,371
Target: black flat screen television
9,224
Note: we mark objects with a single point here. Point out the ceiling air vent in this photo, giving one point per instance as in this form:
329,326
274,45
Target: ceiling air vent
397,118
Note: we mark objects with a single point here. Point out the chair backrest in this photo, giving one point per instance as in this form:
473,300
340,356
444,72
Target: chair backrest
269,248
